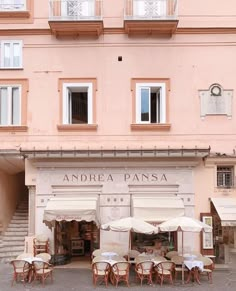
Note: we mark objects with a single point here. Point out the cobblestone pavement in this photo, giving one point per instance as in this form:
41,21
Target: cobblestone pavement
81,279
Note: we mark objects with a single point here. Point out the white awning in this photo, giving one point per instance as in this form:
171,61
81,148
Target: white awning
226,209
68,209
157,209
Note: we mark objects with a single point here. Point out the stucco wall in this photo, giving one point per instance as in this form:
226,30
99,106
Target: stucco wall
12,191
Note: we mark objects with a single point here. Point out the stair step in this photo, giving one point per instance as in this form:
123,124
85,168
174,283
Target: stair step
12,249
19,233
10,254
19,221
21,228
13,238
13,243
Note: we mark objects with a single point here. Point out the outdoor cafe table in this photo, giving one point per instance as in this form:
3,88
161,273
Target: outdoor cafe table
193,267
109,255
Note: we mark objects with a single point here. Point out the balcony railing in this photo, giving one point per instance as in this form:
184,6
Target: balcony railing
12,5
75,10
150,9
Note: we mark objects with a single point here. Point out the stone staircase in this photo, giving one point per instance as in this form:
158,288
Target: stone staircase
12,240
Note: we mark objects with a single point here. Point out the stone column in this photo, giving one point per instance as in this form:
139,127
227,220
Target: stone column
31,228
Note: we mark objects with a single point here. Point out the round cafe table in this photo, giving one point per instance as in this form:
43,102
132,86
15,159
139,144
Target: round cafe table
193,267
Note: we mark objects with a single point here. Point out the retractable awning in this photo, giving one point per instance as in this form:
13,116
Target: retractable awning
226,209
68,209
157,209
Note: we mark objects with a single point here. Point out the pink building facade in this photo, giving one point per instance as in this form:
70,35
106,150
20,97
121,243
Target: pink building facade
126,105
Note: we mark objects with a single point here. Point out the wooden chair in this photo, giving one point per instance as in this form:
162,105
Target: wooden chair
208,267
101,270
179,268
120,272
41,244
42,271
21,270
144,271
165,270
170,254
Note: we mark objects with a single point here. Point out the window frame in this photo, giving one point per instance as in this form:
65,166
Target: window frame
63,84
11,42
66,101
24,88
164,85
223,173
22,9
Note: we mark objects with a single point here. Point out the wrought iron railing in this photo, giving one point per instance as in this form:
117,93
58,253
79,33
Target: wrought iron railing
150,9
75,10
12,5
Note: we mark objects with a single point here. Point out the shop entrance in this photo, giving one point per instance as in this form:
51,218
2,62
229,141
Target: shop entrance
76,238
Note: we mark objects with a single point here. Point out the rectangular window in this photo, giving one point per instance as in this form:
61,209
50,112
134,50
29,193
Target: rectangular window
12,5
225,177
78,8
149,8
10,105
11,54
150,103
77,103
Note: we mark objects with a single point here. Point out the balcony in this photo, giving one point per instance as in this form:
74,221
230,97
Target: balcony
14,8
154,17
76,17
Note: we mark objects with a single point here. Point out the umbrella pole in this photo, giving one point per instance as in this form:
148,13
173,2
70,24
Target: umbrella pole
183,257
129,245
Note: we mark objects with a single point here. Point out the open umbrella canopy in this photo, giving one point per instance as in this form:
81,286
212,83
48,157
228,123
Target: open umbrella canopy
130,224
184,223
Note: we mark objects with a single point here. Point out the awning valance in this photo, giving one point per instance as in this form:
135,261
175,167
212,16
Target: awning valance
68,209
226,209
157,209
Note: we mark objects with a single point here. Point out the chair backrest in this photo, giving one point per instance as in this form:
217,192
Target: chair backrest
121,267
207,262
99,259
145,266
20,265
44,256
24,255
40,266
165,266
41,238
98,267
97,252
170,254
178,260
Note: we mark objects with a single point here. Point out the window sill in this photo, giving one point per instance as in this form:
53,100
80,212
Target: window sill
151,127
12,128
77,127
14,69
14,14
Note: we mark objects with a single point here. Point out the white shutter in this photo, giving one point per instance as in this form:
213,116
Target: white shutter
16,106
4,106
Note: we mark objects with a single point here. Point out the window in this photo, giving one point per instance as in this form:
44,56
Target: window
10,105
11,54
77,103
78,8
149,9
12,5
151,103
225,176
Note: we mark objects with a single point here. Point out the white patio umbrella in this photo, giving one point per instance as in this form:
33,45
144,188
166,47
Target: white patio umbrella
184,224
130,224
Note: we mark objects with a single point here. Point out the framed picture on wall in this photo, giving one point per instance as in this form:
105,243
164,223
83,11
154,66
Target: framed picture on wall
207,236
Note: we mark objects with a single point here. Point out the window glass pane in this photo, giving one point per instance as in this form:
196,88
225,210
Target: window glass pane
145,104
15,106
3,106
6,55
79,107
16,55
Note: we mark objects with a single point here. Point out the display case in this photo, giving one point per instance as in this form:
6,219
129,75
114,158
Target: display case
77,247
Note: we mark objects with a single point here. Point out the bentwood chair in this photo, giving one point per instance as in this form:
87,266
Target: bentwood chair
42,271
41,244
120,272
101,271
144,271
21,270
165,270
44,256
208,267
179,267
